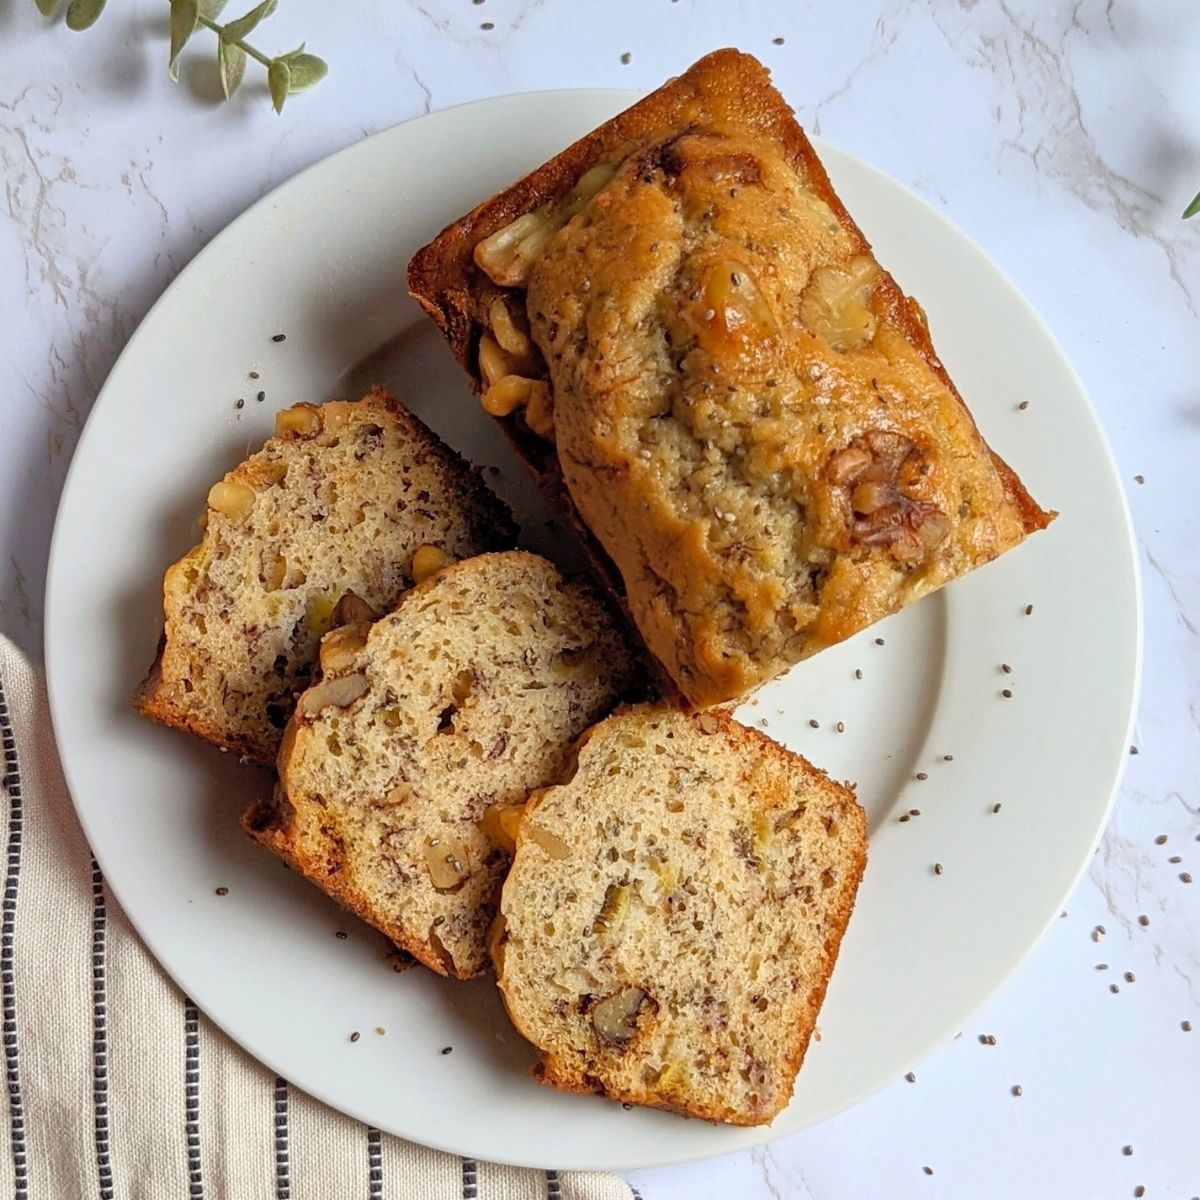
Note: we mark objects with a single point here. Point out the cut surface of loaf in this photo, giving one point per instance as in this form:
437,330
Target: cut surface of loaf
691,342
673,914
423,728
339,501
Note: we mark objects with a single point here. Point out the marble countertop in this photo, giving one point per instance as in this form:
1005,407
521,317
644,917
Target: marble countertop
1064,137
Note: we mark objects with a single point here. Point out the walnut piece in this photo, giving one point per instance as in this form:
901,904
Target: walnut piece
615,1018
446,859
877,473
232,500
339,691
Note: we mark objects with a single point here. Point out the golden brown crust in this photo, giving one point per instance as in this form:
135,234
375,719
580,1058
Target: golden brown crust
726,89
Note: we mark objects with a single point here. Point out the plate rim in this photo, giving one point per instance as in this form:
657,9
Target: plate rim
748,1136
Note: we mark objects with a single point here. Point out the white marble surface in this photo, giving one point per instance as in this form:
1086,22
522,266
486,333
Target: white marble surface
1064,137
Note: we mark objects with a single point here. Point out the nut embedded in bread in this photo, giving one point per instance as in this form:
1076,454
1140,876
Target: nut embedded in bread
687,337
399,764
337,504
674,911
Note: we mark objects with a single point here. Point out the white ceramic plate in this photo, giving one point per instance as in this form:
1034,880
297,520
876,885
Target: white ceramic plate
322,260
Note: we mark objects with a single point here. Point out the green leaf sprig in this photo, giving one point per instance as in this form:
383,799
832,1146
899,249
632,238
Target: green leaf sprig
1193,208
295,71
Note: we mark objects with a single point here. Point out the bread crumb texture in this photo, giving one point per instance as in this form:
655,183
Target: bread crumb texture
339,501
399,763
673,914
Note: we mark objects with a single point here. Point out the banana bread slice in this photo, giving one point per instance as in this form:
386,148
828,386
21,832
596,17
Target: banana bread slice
338,501
673,914
691,343
423,728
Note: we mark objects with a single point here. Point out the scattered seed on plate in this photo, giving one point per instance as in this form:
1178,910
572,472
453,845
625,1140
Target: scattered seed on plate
1133,749
241,402
914,812
1139,479
355,1036
1029,610
1186,1026
904,817
341,935
279,337
1017,1089
995,808
626,58
1102,966
627,1106
947,758
1161,840
927,1170
815,724
1143,920
911,1077
1130,977
222,891
447,1049
1127,1150
1175,858
380,1031
840,727
987,1039
921,775
1006,668
261,397
777,41
857,674
879,641
1139,1192
487,26
253,374
1023,405
938,868
1006,693
1184,877
1114,988
1101,930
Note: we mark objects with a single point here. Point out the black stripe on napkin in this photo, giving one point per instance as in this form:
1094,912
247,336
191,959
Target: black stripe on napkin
100,1033
283,1169
374,1164
470,1189
553,1187
191,1079
8,992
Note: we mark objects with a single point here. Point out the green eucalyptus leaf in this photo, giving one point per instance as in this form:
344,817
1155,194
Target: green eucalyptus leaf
236,30
212,9
1193,208
47,7
231,63
82,14
184,15
306,70
279,78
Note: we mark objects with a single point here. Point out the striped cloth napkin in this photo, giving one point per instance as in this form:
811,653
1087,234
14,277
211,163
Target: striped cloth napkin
117,1087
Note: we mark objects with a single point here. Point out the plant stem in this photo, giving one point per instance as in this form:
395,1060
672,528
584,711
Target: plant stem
241,45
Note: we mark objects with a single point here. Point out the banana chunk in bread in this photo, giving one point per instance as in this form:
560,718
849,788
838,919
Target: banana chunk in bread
689,339
338,502
424,728
673,914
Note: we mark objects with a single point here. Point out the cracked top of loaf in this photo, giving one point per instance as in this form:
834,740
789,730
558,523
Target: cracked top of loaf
693,344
